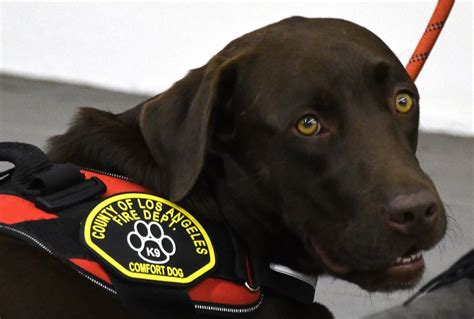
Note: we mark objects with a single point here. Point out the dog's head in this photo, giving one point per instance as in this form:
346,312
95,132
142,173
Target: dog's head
313,124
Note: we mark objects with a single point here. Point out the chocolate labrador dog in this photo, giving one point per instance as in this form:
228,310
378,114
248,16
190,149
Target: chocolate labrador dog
302,135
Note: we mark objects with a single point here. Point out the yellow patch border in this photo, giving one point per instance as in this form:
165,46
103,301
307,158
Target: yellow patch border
125,271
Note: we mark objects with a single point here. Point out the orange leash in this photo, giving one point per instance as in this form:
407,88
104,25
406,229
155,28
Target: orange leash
428,40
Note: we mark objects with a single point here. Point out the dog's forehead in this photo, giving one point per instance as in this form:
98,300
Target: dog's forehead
328,47
322,51
298,60
303,32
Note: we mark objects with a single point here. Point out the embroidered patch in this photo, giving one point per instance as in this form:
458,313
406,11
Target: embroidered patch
146,237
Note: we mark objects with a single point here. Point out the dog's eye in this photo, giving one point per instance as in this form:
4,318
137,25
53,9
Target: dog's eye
308,125
403,102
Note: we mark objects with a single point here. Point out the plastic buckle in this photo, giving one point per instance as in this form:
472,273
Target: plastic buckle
70,196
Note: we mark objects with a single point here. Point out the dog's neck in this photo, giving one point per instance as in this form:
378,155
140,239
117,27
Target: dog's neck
242,205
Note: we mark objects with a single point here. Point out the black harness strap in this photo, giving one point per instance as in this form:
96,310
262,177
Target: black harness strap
51,186
28,160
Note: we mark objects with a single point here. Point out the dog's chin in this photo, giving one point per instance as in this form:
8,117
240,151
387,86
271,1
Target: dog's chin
394,277
380,281
401,273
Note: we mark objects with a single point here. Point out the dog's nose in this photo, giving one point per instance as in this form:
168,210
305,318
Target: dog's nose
412,213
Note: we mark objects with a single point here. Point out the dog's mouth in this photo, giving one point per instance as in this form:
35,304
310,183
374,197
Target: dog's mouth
408,267
403,270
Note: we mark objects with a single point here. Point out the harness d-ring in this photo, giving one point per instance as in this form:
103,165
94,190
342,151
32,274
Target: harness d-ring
250,288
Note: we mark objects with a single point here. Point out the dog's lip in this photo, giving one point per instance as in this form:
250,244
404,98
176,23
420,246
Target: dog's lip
407,267
330,262
402,269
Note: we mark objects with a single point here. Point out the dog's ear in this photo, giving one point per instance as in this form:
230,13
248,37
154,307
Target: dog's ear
177,124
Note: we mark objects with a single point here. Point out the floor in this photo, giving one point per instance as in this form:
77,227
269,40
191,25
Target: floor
31,111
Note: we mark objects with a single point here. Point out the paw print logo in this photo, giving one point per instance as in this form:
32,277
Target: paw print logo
151,243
